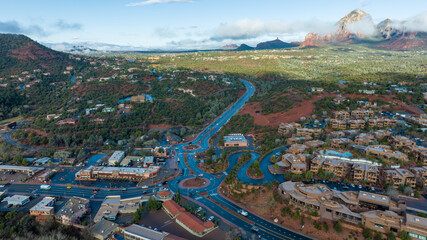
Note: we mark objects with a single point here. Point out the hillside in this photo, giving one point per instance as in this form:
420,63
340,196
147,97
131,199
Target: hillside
19,53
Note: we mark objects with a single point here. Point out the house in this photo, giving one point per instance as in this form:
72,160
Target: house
173,138
69,121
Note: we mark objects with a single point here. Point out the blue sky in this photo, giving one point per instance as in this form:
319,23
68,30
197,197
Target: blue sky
201,24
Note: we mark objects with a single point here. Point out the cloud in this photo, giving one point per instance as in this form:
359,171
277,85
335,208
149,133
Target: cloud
150,2
250,28
364,26
416,23
164,32
17,28
62,25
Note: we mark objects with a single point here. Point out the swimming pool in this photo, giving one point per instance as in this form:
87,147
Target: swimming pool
347,154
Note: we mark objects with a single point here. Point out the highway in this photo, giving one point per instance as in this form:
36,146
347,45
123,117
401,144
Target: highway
225,209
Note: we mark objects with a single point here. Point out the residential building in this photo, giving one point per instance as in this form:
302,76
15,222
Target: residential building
315,143
382,122
309,132
360,114
297,148
402,141
102,229
419,152
288,128
365,173
340,142
116,158
357,123
338,124
73,210
385,152
94,173
235,140
399,176
293,140
341,115
70,121
17,200
379,134
364,139
44,208
316,89
339,166
295,163
420,175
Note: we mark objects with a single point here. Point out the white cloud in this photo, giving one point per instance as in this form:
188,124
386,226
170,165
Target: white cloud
416,23
250,28
364,26
150,2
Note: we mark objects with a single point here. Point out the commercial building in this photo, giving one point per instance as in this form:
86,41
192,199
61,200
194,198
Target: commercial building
194,225
73,210
235,140
148,161
117,157
17,200
399,176
136,232
113,205
30,171
94,173
103,228
44,208
172,208
128,160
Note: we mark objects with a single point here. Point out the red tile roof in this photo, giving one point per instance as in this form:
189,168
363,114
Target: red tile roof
194,223
173,207
164,193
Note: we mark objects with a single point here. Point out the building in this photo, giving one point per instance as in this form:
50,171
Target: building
44,208
420,175
138,98
30,171
419,152
113,205
399,176
194,225
148,161
172,208
293,140
365,173
116,158
297,149
383,221
357,123
309,132
73,210
364,139
235,140
136,232
94,173
402,141
385,152
17,200
315,143
128,161
360,114
288,128
338,124
340,142
103,228
295,163
70,121
382,122
380,134
341,115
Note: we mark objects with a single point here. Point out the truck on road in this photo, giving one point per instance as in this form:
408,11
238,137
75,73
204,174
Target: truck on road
45,187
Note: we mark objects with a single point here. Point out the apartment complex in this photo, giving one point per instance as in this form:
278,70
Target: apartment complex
338,124
364,139
297,149
340,142
381,122
341,115
360,114
399,176
295,163
357,123
402,141
309,132
385,152
94,173
365,173
288,128
420,175
419,152
293,140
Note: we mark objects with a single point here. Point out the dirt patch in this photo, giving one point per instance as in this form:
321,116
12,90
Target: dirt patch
197,182
191,147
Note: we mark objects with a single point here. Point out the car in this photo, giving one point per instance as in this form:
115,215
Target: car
199,209
2,186
192,194
164,182
352,185
211,218
124,189
360,186
372,189
254,229
242,212
68,187
156,229
144,187
345,187
145,192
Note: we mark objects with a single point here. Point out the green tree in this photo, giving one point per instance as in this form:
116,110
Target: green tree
367,233
153,204
337,227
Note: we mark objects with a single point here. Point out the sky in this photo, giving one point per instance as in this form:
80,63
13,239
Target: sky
191,24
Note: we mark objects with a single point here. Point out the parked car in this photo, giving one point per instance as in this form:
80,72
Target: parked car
211,218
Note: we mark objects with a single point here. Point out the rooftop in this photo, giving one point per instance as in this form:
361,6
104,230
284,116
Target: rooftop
235,137
194,223
146,233
44,205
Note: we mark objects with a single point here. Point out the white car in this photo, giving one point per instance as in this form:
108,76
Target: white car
144,187
211,218
242,212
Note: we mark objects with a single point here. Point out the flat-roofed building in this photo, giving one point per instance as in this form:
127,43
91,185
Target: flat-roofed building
30,171
128,160
415,226
399,176
235,140
402,141
385,152
103,228
73,210
94,173
309,132
148,161
419,152
113,205
315,143
338,124
342,115
379,134
116,158
17,200
382,122
383,221
293,140
137,232
43,208
364,172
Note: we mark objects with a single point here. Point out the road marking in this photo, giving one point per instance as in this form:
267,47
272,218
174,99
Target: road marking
198,198
225,173
214,194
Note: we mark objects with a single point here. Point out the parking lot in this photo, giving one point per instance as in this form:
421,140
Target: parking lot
12,176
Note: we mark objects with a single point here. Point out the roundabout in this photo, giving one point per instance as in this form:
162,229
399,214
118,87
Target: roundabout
194,183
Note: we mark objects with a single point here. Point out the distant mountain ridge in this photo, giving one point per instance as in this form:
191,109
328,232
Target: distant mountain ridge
274,44
357,27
